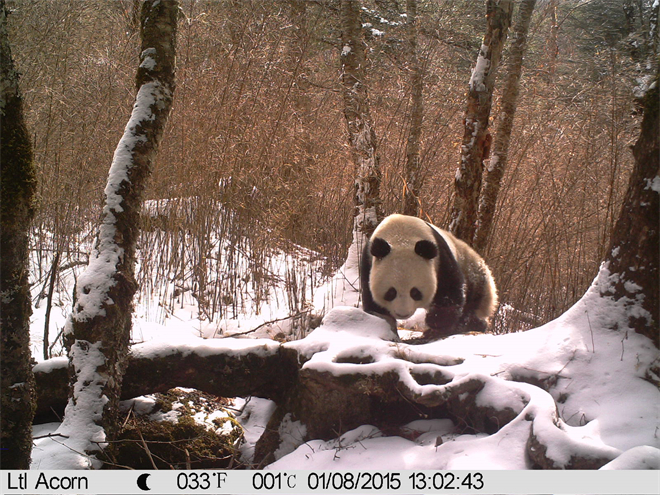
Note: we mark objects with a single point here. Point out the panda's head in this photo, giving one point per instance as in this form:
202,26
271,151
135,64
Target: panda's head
403,275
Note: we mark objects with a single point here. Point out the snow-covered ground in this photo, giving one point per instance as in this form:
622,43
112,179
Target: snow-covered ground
603,384
605,390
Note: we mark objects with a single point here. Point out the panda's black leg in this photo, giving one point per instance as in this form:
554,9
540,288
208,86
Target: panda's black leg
442,321
471,323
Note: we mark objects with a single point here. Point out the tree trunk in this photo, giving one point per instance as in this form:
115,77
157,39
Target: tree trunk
413,177
361,134
18,183
98,330
654,33
476,138
49,302
632,258
500,156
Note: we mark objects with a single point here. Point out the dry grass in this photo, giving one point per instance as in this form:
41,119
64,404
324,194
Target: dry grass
257,127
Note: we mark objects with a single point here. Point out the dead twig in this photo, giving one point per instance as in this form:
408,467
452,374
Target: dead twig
144,444
266,323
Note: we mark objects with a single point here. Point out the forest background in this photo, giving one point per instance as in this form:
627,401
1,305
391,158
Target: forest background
256,145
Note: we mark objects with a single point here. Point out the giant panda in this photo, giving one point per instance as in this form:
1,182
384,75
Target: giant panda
408,264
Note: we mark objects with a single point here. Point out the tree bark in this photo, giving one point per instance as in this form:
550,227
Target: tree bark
413,176
49,301
361,133
500,156
476,138
18,183
98,331
654,33
632,258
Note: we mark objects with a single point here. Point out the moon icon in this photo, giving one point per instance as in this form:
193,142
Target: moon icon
142,481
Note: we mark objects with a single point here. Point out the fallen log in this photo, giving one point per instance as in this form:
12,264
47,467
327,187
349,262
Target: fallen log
224,368
345,374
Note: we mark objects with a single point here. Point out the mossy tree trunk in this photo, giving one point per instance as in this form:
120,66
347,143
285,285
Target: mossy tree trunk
475,146
361,133
18,183
98,330
500,156
632,258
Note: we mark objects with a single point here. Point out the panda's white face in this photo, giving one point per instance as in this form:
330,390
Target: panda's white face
403,275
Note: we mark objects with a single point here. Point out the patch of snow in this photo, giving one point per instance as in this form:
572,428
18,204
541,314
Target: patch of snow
643,457
148,61
343,289
254,415
431,431
654,184
292,434
171,416
204,347
357,322
500,395
141,405
52,364
480,70
631,287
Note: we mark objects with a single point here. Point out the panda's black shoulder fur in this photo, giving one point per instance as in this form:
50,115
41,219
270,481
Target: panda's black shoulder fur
368,303
451,280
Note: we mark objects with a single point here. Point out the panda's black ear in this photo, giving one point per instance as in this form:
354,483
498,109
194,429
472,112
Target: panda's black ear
379,248
426,249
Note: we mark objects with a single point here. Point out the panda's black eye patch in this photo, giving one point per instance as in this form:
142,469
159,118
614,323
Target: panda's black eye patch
426,249
415,294
390,295
380,248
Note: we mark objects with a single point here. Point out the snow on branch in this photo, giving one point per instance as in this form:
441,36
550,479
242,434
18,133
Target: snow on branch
93,288
480,70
